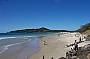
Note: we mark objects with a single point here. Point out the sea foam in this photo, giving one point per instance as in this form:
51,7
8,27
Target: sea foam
6,37
4,48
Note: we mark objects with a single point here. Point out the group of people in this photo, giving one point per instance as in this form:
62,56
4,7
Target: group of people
73,51
44,42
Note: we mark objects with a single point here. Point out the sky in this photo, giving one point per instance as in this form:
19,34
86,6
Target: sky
52,14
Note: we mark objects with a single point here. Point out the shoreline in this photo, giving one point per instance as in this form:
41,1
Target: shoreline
44,46
56,46
21,51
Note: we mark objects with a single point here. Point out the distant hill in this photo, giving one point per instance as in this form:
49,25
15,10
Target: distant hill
43,29
85,29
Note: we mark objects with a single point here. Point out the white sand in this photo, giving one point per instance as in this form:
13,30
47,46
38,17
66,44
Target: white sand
56,45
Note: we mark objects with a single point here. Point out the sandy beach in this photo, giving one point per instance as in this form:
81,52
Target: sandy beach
55,46
48,46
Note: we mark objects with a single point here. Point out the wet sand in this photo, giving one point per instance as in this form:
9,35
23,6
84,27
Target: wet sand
21,51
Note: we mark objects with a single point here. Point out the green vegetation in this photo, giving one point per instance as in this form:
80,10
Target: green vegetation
43,29
85,29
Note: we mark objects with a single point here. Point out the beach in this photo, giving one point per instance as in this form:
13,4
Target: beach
55,46
45,46
20,50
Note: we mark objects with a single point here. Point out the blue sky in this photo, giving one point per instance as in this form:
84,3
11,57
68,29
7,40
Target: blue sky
53,14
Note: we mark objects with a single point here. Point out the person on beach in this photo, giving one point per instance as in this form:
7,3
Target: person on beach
75,43
43,57
75,46
67,55
45,43
51,57
80,40
72,50
58,34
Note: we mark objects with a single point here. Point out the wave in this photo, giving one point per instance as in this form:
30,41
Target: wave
4,48
6,37
16,37
30,36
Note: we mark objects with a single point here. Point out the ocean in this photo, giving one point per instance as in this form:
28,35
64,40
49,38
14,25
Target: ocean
19,45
